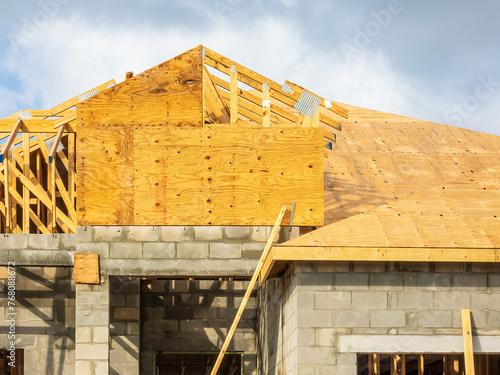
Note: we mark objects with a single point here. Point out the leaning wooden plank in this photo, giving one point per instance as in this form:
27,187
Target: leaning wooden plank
266,106
55,145
467,337
214,92
65,120
249,290
86,268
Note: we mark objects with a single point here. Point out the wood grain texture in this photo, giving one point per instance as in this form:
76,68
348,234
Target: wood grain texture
86,269
170,93
161,175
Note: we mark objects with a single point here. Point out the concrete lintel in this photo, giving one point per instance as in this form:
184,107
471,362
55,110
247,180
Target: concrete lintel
415,344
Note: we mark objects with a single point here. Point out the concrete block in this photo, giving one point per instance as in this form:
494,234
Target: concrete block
154,250
359,319
143,233
333,266
351,281
179,286
261,233
176,234
208,233
83,334
386,281
452,300
369,267
44,241
434,319
110,233
494,281
387,318
332,300
415,301
315,281
83,234
92,317
125,250
485,267
101,248
370,300
288,233
481,319
434,281
82,367
469,280
316,356
253,250
100,334
485,301
17,241
414,266
314,318
192,250
92,351
225,250
495,319
133,300
324,337
126,313
92,298
241,233
102,368
441,267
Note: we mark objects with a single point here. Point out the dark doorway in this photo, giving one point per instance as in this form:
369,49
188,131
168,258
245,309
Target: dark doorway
5,368
192,363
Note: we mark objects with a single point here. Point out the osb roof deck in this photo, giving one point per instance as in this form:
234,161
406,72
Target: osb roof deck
39,191
401,189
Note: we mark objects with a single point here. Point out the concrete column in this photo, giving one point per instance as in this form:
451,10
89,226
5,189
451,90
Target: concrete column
92,328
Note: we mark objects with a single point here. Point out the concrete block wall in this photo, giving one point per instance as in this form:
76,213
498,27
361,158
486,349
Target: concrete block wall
125,293
211,251
345,308
195,315
45,307
277,326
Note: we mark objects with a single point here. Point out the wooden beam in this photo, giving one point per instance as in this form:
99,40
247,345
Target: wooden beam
467,337
34,126
335,108
233,95
13,134
26,192
57,140
249,290
403,364
266,106
404,254
65,120
421,364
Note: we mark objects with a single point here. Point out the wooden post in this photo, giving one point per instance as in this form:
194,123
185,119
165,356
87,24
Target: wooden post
249,290
421,364
403,364
266,106
26,192
233,92
467,336
376,364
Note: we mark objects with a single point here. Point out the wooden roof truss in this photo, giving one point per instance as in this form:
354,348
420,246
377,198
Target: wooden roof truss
37,168
267,103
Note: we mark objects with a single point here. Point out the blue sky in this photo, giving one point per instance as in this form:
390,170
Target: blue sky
434,60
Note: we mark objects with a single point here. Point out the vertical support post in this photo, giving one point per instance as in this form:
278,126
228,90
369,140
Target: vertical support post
26,192
421,364
6,193
233,99
315,119
53,195
403,364
266,106
376,364
467,336
39,178
395,361
71,168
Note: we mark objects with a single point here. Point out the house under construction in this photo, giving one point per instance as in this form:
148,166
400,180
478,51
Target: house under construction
136,215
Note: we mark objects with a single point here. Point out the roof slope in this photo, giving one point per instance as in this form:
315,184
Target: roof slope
380,157
461,214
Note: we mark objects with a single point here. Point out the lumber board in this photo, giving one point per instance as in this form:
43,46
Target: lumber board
249,290
170,93
467,338
34,126
86,268
384,254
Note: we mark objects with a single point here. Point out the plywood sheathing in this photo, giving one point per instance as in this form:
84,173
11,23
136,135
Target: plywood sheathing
374,163
149,175
461,214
